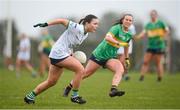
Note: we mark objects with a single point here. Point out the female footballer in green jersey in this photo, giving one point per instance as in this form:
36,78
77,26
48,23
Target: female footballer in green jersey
44,51
156,31
105,54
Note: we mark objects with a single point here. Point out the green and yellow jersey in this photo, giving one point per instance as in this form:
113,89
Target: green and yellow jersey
156,32
107,50
46,43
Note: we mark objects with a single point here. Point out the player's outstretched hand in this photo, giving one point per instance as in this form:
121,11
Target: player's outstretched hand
41,25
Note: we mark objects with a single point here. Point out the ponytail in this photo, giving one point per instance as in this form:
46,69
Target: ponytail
81,20
88,19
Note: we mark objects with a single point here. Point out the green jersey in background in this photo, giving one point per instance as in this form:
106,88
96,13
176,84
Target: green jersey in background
156,32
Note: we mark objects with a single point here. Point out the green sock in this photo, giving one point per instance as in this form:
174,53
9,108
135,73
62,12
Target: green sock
31,95
33,72
74,93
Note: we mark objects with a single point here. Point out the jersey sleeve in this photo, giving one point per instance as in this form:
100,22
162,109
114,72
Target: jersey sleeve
113,30
165,26
75,27
146,28
132,29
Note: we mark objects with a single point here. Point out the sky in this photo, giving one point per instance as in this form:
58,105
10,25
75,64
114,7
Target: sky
29,12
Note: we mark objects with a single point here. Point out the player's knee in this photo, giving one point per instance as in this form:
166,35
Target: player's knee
51,82
120,71
159,65
120,68
80,71
87,73
145,63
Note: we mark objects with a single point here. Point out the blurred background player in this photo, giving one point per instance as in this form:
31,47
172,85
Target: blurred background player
61,55
105,54
8,61
23,55
156,31
44,50
121,55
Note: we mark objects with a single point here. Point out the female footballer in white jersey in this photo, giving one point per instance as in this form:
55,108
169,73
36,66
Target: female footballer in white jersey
60,55
24,55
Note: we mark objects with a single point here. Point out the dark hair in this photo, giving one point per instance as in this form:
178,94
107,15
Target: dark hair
88,19
120,21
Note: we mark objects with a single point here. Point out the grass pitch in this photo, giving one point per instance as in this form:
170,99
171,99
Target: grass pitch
148,94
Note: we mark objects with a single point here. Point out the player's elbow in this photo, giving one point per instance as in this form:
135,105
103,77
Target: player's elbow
107,38
63,21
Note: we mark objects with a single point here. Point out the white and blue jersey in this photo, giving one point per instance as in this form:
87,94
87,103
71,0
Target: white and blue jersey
24,49
73,36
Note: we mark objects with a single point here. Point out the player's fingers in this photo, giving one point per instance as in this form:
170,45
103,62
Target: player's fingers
36,25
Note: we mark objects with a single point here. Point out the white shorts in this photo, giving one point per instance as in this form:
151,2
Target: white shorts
23,56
